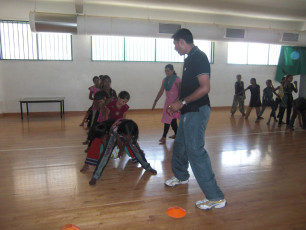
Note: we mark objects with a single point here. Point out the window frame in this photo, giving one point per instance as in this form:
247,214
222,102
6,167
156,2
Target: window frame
212,55
37,46
247,54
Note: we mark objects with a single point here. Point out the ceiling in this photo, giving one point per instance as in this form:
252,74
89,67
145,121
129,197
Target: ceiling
270,9
268,14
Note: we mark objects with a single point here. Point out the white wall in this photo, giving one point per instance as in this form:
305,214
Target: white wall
1,93
71,79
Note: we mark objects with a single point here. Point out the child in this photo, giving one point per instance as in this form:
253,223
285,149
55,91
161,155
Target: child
239,96
172,84
287,99
124,132
280,95
106,87
100,134
299,109
267,100
255,97
100,116
117,108
92,91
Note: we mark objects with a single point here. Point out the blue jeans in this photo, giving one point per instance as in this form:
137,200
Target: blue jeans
189,148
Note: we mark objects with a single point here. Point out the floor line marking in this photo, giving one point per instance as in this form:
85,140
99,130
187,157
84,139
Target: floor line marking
77,146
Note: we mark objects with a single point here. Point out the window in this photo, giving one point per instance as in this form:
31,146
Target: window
107,48
274,53
116,48
253,53
165,51
258,54
139,49
54,46
237,53
206,47
17,42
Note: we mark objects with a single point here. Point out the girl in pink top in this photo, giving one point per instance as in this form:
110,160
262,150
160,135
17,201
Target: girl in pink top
172,85
92,91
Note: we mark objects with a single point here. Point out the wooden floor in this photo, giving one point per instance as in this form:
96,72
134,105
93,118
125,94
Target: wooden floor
260,168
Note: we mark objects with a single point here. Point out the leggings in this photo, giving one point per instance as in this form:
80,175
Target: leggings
264,106
287,104
167,127
107,152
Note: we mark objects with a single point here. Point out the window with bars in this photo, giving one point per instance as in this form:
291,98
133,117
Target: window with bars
17,42
117,48
165,51
253,53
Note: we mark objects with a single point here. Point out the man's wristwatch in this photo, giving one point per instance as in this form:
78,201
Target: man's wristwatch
184,102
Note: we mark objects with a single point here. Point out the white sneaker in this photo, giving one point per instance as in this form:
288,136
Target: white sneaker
174,181
207,204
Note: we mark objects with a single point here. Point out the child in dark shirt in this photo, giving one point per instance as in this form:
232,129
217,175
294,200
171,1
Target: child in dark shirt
239,96
268,101
255,97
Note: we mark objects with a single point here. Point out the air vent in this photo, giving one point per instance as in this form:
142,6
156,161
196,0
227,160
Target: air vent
234,33
168,28
290,37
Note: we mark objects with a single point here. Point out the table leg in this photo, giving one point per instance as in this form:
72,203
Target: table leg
21,112
61,108
27,109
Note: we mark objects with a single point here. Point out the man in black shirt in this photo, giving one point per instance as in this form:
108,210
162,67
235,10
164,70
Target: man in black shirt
194,105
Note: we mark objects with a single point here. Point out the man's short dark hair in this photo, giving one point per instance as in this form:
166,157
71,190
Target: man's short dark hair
184,34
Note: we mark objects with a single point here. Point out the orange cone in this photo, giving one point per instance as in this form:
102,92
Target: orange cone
70,227
176,212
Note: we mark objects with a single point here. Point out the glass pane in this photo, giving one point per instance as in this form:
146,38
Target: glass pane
274,54
258,54
205,46
17,41
139,49
54,46
165,51
237,53
107,48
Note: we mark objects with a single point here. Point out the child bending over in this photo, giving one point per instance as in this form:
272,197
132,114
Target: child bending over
299,109
100,134
123,133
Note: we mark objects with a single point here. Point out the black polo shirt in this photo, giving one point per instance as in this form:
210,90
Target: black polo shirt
195,64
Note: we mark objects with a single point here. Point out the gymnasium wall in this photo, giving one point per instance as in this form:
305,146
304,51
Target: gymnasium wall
1,95
71,79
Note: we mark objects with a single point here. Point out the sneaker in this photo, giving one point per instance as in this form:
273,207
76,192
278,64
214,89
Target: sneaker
207,204
174,181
